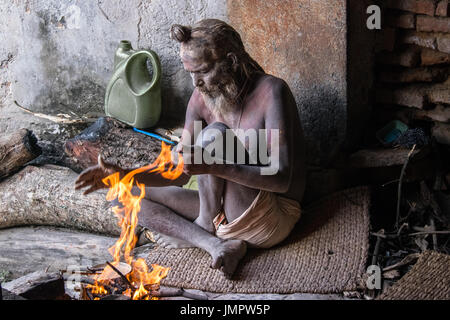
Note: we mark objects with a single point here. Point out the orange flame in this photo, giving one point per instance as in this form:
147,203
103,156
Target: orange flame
128,219
97,288
140,271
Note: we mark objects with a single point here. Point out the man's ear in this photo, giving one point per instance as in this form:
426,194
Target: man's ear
233,59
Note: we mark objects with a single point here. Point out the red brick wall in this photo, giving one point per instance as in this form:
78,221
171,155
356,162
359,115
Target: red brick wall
413,65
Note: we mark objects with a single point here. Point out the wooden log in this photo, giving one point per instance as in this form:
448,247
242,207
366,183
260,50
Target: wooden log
46,196
441,131
417,170
38,285
116,142
377,158
16,150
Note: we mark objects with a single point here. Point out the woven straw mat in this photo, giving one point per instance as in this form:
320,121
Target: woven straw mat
429,279
325,253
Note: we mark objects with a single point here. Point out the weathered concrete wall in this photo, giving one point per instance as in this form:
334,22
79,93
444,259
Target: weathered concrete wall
56,56
303,42
62,51
59,54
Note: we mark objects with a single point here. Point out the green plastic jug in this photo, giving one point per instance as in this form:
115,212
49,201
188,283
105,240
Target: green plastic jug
133,96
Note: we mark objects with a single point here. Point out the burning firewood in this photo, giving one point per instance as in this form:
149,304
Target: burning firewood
113,282
141,284
122,276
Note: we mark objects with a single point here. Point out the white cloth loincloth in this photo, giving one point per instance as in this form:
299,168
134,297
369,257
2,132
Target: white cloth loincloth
268,221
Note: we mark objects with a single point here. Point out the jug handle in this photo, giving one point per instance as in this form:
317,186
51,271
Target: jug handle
156,64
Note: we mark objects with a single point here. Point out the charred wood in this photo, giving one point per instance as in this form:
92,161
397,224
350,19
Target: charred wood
16,150
38,285
116,142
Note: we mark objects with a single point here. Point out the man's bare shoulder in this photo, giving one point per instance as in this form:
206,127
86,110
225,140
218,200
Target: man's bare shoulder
272,86
196,101
196,105
273,93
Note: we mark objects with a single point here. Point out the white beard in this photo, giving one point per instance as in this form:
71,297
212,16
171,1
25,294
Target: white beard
221,105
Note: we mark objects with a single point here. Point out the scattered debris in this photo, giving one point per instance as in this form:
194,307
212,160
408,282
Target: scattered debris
60,118
412,137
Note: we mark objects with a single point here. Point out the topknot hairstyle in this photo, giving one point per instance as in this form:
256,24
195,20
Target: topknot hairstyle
221,38
180,33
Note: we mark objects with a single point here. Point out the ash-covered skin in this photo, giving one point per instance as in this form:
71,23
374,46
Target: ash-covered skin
231,91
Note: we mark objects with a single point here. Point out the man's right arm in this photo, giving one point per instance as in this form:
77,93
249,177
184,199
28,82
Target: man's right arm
187,138
92,177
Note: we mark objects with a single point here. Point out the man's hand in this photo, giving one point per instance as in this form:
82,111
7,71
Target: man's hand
92,177
190,153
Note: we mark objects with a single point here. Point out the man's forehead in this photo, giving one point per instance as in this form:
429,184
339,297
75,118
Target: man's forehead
193,57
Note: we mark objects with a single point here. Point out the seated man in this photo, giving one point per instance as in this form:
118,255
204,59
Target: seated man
236,205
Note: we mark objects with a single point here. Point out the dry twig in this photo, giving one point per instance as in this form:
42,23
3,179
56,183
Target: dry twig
399,191
428,232
407,260
56,119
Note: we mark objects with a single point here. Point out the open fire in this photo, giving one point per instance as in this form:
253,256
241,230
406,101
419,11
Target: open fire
131,277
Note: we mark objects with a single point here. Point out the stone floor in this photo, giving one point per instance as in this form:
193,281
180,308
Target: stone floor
28,249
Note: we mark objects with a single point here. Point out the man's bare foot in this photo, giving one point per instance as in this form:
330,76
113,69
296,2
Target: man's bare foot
205,225
227,256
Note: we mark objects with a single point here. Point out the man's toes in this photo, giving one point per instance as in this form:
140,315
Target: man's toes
216,262
227,274
229,269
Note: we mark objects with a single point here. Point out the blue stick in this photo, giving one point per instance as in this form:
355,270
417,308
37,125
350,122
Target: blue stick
155,136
